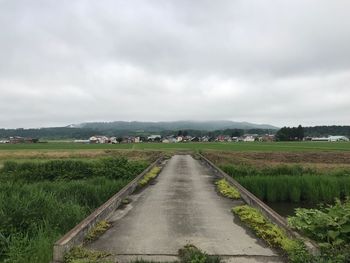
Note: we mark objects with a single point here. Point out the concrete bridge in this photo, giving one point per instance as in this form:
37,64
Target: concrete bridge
180,207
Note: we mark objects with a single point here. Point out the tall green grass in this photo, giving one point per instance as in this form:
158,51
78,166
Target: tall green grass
292,183
36,209
70,169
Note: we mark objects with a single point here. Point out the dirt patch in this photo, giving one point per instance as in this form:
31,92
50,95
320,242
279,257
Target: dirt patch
326,160
133,155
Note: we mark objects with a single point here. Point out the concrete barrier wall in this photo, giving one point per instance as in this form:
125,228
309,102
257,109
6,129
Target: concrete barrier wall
253,201
76,236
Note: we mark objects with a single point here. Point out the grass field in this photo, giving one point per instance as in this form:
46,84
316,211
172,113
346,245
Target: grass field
242,146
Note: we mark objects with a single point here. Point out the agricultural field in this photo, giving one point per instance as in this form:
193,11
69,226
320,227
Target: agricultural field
224,146
46,189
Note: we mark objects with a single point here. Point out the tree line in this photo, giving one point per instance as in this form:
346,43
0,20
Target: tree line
298,133
284,134
290,134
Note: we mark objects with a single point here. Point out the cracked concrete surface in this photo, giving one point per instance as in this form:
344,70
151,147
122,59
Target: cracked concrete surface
181,207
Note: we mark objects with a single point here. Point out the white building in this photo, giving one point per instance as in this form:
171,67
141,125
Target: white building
99,139
331,138
338,139
249,138
179,138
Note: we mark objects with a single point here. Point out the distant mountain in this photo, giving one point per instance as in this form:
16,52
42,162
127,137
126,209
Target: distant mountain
137,126
122,128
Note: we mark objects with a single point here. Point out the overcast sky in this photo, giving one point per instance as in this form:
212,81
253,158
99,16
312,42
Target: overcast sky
276,62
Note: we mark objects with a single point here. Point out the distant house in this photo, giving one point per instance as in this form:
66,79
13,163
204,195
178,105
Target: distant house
205,139
267,138
169,139
18,139
99,139
220,138
113,140
187,138
234,139
250,137
4,141
154,138
195,139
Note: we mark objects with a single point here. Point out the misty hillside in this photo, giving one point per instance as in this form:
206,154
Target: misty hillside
176,125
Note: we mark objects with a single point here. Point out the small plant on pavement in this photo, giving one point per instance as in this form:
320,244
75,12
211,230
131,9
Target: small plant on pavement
191,254
149,176
227,190
84,255
97,231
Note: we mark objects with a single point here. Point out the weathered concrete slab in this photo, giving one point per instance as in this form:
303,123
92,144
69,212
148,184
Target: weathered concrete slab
181,207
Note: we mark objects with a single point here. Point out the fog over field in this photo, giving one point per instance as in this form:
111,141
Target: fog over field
274,62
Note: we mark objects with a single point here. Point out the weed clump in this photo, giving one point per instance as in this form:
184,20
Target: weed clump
191,254
227,190
98,230
83,255
272,234
149,176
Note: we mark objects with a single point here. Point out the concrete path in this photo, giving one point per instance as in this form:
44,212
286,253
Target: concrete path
181,207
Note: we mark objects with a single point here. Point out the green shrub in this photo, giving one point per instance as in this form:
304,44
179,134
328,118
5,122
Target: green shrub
329,226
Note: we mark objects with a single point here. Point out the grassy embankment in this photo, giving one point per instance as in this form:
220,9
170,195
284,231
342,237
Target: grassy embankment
40,201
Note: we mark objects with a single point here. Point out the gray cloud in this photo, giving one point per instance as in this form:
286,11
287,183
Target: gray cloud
278,62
